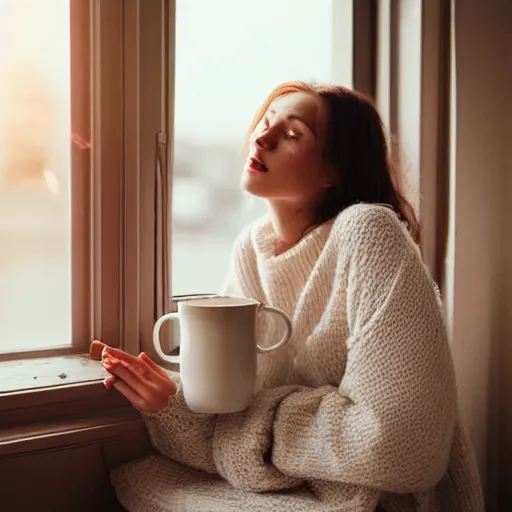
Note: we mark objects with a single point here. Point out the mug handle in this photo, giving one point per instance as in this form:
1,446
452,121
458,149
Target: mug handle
288,326
156,338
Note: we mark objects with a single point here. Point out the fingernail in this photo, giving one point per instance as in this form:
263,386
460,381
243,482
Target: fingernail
109,382
107,365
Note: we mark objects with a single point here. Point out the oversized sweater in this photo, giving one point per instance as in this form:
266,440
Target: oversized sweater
359,410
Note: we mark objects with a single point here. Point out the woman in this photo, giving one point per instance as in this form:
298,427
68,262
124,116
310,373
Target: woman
359,411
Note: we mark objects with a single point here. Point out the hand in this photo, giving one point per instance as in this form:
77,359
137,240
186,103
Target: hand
147,386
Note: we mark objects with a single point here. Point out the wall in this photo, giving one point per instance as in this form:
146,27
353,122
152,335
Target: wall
504,434
482,147
503,437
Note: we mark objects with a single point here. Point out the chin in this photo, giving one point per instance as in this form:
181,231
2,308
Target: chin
253,186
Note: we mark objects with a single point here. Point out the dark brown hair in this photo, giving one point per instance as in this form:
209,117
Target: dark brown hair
356,150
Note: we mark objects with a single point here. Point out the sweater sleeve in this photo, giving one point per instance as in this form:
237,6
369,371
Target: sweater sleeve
389,424
182,435
176,431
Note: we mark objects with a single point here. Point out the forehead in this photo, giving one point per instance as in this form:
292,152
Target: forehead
300,104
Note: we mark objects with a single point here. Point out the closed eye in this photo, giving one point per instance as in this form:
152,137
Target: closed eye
290,134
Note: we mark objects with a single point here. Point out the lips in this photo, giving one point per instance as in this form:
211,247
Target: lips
256,164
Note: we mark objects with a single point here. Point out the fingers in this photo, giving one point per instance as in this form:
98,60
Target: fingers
138,376
136,400
128,358
135,365
109,381
138,368
96,350
119,354
146,385
124,374
152,364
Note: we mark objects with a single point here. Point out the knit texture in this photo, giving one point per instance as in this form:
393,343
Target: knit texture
358,410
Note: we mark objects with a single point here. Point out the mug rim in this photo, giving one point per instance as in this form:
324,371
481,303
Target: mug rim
222,302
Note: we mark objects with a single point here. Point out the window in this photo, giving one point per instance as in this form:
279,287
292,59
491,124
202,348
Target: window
228,59
61,193
43,175
101,79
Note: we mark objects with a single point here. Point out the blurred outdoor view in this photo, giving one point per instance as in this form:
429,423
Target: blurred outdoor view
229,56
34,174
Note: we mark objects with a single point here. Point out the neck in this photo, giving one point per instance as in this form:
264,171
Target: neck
290,224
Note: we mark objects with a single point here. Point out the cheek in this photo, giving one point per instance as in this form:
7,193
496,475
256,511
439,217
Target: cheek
309,175
305,164
298,158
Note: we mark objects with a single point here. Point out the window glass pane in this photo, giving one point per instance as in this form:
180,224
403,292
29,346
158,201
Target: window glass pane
228,60
35,302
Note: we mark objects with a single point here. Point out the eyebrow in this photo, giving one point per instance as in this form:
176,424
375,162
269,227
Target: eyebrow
295,118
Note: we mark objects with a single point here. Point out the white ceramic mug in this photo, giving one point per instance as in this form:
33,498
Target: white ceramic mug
218,350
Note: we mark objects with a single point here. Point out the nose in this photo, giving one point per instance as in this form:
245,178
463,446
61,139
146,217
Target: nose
264,140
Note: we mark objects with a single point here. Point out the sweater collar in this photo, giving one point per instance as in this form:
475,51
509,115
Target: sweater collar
264,238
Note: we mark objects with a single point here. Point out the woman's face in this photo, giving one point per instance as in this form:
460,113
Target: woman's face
285,152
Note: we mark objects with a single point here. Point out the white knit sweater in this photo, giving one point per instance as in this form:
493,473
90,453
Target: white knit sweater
357,411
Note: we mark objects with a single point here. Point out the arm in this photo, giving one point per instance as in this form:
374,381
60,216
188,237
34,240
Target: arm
182,435
176,431
389,424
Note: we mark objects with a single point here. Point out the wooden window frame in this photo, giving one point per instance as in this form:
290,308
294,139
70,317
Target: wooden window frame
114,183
96,177
81,180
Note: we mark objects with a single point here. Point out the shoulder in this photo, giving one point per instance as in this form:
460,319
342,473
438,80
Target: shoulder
372,227
362,218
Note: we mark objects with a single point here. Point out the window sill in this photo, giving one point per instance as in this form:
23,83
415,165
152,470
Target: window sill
30,374
62,389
